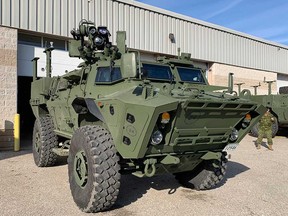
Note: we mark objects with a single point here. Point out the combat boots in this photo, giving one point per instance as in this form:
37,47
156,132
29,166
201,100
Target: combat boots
270,147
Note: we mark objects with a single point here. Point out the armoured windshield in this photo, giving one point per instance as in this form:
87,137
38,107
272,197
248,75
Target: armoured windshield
191,75
108,74
157,72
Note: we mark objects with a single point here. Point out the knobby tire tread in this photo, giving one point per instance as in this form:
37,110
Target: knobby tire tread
204,177
49,140
105,177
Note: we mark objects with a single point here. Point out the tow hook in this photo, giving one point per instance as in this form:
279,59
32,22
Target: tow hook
150,168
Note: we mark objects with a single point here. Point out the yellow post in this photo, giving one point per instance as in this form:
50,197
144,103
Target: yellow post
16,132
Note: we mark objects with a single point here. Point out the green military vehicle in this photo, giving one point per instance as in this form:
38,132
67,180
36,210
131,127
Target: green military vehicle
116,115
278,105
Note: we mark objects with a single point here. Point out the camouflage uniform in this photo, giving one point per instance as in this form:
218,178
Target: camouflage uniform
265,128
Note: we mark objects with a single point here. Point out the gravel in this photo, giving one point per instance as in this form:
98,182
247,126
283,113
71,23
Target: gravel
255,184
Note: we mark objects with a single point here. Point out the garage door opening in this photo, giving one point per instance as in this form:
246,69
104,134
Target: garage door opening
23,106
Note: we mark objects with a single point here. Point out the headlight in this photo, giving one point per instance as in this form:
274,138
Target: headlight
156,137
246,121
234,135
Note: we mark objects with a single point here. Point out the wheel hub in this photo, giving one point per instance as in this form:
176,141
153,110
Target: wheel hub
80,169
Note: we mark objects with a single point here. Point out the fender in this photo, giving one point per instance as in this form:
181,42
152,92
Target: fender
85,105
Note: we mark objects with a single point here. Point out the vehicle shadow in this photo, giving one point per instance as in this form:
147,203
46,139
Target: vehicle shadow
233,170
10,154
25,148
133,188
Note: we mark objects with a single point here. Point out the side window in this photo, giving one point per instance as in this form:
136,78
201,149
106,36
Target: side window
108,74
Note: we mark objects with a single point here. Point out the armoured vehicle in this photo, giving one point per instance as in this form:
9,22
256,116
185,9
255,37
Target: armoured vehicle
116,115
278,105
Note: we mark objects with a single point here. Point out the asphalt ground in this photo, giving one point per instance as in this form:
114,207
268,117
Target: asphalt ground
256,183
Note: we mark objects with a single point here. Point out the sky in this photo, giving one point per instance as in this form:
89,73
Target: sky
267,19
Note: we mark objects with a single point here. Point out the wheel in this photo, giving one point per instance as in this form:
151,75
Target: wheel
93,168
283,90
205,176
255,129
44,140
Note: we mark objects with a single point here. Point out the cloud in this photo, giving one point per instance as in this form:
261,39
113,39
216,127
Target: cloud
265,17
231,5
265,21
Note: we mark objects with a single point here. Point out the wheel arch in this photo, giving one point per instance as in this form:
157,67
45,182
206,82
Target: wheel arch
83,106
40,110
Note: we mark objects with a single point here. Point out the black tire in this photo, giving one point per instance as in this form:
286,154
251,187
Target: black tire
205,176
44,140
255,129
283,90
93,168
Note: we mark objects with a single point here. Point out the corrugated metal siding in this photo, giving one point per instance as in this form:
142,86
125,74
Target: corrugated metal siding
147,29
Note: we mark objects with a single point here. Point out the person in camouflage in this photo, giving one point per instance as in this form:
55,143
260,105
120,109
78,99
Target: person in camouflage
265,128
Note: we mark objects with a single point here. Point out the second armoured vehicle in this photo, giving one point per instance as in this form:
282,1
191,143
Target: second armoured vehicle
278,105
116,114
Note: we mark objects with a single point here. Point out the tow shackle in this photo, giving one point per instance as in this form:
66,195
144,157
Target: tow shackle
150,168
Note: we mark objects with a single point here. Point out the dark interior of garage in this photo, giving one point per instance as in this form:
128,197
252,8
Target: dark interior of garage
23,107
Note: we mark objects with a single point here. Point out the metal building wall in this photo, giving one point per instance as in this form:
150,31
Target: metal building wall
147,29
